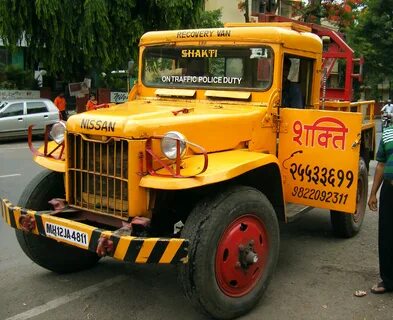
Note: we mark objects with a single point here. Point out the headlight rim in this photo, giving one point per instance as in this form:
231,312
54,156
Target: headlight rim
178,137
62,124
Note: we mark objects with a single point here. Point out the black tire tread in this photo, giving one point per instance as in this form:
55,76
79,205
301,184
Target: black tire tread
48,253
195,224
342,223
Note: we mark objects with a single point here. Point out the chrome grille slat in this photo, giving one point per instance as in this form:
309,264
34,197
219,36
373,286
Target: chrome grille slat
98,177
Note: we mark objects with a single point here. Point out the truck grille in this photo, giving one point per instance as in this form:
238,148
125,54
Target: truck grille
98,175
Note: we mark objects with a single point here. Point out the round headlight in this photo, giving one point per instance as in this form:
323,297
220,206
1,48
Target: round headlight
57,132
169,144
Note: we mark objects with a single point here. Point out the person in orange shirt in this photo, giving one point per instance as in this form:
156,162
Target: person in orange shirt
91,103
61,104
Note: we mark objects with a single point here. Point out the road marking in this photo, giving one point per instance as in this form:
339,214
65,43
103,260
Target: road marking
66,299
10,175
19,148
14,148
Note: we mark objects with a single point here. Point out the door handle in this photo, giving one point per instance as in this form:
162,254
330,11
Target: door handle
356,142
20,119
46,116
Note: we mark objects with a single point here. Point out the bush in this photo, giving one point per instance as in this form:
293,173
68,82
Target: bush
15,78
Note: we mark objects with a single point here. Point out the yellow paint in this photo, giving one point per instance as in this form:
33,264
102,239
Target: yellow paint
199,53
250,34
147,248
228,94
175,92
289,25
222,166
172,248
122,247
123,244
50,163
319,159
241,130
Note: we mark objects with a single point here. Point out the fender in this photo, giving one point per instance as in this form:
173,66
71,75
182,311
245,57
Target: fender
222,166
48,162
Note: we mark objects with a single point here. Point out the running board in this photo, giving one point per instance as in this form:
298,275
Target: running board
294,211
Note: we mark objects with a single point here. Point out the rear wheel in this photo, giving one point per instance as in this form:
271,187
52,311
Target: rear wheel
48,253
234,246
348,225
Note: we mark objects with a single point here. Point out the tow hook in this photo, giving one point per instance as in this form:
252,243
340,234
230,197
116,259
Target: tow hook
27,223
58,204
247,255
104,247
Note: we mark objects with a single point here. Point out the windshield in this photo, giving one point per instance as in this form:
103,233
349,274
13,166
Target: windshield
3,104
213,67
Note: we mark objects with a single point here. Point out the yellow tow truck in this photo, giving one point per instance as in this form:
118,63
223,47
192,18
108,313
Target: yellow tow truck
201,163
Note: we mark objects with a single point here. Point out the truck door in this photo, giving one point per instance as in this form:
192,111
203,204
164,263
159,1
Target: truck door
319,156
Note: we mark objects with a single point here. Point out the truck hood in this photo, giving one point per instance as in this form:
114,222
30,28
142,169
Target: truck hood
207,124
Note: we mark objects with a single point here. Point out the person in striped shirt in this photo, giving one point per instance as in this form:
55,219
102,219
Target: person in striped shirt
384,175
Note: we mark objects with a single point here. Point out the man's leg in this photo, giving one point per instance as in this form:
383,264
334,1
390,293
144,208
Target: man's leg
385,235
64,115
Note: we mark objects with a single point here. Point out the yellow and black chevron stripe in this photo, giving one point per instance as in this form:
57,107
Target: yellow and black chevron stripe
125,248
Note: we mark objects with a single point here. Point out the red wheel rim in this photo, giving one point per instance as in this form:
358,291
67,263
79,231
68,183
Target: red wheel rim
234,278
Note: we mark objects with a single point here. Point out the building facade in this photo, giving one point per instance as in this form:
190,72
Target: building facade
231,12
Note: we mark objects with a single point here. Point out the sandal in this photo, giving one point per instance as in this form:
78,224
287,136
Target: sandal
379,288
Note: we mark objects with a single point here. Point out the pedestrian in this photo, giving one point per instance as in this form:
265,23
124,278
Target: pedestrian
291,91
388,107
384,175
61,104
91,103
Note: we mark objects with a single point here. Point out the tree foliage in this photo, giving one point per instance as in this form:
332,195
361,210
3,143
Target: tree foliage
74,36
210,19
341,13
13,77
372,36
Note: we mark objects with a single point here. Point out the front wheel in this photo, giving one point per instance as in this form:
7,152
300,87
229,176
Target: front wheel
234,246
48,253
347,225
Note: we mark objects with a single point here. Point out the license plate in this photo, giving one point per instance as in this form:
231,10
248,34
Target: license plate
70,235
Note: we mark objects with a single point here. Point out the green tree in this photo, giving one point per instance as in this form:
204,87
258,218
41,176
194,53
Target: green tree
13,77
372,37
210,19
338,12
73,37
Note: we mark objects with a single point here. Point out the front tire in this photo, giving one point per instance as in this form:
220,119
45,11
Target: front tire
48,253
234,247
347,225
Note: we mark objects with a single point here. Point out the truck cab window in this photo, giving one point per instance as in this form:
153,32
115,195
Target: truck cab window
297,82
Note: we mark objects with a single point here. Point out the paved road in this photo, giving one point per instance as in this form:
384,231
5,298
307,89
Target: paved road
316,276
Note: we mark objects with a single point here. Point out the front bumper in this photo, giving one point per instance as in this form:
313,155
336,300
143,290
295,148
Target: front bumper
121,247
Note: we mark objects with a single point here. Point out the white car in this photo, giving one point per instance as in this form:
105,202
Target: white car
17,115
